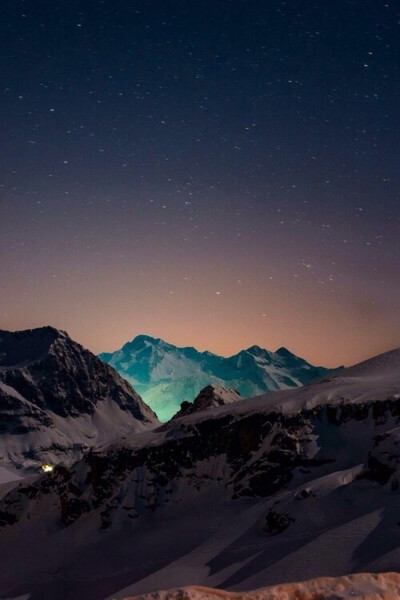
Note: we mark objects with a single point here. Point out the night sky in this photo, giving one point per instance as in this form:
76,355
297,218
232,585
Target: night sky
218,173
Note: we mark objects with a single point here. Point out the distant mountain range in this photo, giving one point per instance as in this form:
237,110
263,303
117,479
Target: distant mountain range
58,399
165,375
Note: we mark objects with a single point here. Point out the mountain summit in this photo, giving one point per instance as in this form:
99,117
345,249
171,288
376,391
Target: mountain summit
166,375
56,398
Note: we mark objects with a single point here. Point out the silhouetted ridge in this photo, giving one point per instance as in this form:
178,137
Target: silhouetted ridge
28,345
282,351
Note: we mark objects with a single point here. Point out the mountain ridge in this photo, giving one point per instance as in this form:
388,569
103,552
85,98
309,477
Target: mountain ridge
166,375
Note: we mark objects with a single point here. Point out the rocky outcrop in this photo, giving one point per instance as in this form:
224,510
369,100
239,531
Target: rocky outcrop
211,396
276,522
384,458
365,586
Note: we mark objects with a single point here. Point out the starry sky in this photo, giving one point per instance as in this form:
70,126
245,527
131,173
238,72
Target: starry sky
217,173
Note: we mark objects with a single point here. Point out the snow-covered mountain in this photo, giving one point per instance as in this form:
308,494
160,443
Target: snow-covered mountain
291,485
58,399
165,375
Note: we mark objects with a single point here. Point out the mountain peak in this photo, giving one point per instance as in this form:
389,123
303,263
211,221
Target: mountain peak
255,350
144,341
28,345
282,351
143,337
37,332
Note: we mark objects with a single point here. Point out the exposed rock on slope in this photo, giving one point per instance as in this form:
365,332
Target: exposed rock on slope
57,397
211,396
364,586
166,376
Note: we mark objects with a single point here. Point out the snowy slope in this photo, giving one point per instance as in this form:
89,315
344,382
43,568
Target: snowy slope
57,399
165,376
285,487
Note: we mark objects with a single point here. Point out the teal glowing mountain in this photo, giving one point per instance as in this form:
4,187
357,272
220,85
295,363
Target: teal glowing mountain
165,375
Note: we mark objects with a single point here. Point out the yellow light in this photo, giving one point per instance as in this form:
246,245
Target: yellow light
46,468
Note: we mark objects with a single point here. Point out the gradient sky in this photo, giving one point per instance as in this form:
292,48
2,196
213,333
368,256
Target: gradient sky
218,173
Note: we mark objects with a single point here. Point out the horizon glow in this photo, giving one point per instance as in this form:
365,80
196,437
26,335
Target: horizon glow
215,174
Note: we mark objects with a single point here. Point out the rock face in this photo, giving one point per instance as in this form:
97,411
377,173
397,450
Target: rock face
165,376
364,586
211,396
294,484
55,395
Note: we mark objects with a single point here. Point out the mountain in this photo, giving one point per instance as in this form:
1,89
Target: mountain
286,486
58,399
209,397
165,376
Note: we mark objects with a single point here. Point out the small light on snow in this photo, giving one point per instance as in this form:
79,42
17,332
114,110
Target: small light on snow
47,468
